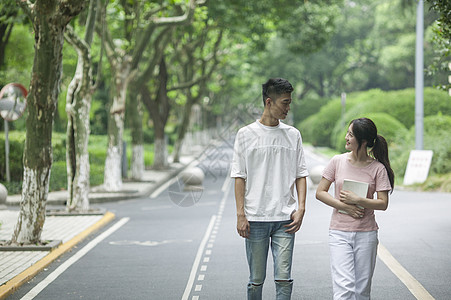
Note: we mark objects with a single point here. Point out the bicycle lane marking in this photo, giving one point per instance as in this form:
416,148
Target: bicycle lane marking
197,260
205,250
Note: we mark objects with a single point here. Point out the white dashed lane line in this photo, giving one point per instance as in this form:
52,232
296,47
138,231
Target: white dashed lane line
206,259
205,251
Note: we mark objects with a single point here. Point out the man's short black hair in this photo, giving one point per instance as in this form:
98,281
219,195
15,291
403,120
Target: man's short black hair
274,87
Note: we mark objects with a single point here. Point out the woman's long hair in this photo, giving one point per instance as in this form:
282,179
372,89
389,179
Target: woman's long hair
365,130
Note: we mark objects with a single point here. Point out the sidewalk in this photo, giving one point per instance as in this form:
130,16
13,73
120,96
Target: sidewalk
20,264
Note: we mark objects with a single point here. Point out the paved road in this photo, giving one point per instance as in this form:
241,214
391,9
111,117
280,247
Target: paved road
170,247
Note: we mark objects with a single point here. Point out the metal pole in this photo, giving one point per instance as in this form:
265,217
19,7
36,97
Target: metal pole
419,78
449,78
8,177
343,109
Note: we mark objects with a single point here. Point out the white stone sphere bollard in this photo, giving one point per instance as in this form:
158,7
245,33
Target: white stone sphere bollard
3,194
192,178
316,173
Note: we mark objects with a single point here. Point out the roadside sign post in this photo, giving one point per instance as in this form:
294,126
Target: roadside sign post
8,177
12,106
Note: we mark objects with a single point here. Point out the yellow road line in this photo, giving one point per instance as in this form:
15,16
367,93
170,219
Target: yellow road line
12,285
417,290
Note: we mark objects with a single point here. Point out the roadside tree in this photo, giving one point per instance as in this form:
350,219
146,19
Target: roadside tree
442,40
49,19
8,16
143,23
78,106
197,54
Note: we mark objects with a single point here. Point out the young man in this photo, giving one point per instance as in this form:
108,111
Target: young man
270,175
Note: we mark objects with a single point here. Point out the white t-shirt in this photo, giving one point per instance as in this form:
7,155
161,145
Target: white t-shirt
269,159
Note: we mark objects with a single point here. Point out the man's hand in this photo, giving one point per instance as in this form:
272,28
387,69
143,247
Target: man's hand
242,226
297,216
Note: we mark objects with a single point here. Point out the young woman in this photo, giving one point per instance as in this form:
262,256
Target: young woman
353,228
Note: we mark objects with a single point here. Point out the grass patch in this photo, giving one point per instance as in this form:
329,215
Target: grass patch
438,183
97,148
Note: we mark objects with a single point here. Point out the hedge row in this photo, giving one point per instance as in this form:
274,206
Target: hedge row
320,129
16,147
394,115
58,178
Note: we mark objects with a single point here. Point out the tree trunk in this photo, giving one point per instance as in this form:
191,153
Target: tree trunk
160,160
78,105
113,163
182,129
135,112
137,162
159,113
49,21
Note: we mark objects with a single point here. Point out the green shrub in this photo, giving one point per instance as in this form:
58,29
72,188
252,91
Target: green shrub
16,147
399,104
59,146
387,126
98,141
96,174
148,155
399,152
97,156
148,136
58,176
307,107
13,187
97,148
317,128
394,114
322,128
437,139
440,183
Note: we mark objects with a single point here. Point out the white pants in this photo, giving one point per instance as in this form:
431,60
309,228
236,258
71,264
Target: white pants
352,261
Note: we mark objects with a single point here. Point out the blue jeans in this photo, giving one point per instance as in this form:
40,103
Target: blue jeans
262,235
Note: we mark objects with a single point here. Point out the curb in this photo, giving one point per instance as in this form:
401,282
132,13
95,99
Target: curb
145,193
13,285
122,196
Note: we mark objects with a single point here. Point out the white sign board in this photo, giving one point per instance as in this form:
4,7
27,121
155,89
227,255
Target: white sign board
418,166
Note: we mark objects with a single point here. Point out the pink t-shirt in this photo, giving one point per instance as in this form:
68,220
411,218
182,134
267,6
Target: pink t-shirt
375,174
